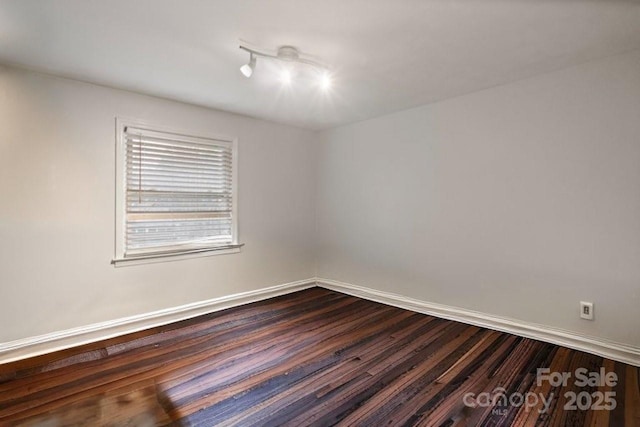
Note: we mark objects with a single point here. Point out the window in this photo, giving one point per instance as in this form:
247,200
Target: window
176,193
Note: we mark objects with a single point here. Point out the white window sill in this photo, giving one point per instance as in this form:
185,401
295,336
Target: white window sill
175,256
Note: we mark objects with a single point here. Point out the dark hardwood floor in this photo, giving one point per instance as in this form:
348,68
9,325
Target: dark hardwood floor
311,358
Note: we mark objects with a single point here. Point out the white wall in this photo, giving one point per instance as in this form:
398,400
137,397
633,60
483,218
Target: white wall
517,201
57,153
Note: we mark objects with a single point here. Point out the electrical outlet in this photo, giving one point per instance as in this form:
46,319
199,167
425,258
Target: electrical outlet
586,310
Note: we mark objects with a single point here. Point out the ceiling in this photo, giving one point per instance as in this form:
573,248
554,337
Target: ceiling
385,55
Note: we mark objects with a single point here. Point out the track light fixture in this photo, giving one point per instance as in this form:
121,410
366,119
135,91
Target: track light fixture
286,54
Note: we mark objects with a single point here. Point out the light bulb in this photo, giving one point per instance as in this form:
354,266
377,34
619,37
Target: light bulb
325,81
285,76
247,69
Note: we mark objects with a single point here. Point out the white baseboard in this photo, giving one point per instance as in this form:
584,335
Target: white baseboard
47,343
612,350
55,341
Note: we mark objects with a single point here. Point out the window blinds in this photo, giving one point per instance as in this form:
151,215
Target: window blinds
179,192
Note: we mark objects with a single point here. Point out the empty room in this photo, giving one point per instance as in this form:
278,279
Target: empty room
316,213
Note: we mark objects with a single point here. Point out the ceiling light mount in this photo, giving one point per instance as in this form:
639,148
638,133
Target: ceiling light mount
288,53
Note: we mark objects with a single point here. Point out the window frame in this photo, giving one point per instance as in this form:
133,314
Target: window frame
120,257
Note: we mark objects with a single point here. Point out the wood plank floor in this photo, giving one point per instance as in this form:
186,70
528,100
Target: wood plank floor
314,357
